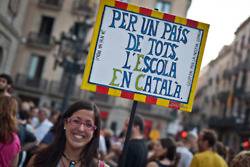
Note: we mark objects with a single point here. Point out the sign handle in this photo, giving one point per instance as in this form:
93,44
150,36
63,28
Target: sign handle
128,134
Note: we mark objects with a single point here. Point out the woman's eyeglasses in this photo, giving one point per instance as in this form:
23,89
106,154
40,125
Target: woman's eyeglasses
76,122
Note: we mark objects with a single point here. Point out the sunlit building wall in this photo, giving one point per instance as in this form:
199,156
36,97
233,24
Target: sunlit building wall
222,97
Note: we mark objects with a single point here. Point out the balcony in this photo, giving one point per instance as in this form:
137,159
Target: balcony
36,85
222,96
236,69
244,130
246,64
238,92
84,8
246,95
40,40
101,99
222,123
227,74
57,89
51,4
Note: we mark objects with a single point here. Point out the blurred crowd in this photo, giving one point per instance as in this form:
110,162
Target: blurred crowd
26,129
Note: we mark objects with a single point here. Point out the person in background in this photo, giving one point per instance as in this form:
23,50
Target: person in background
230,155
50,136
55,114
206,156
151,151
108,134
165,154
25,116
5,85
102,144
26,136
76,139
221,149
9,142
192,142
34,117
242,159
136,155
114,148
44,124
184,150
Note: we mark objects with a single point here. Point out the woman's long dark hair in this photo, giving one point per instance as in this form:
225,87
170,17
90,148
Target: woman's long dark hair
171,153
170,145
51,155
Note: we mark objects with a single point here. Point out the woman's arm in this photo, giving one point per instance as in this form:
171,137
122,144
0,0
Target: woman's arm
15,161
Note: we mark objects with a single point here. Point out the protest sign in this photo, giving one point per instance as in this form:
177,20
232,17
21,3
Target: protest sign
145,55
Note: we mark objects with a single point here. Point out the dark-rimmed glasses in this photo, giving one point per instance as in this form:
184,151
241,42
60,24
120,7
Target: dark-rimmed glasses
76,122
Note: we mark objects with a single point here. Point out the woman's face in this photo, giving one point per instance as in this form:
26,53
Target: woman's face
158,149
79,128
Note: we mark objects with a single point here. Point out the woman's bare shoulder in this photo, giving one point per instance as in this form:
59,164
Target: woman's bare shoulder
152,164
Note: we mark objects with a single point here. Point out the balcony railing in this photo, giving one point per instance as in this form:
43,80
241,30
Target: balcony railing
222,123
246,95
222,96
100,98
57,89
238,92
40,40
51,4
83,7
227,74
31,84
42,86
246,64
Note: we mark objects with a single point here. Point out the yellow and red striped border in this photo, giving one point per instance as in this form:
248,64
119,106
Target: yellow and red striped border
134,96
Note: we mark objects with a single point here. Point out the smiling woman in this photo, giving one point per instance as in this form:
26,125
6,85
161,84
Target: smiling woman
76,139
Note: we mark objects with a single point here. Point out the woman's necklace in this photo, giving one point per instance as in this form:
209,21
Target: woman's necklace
62,162
72,163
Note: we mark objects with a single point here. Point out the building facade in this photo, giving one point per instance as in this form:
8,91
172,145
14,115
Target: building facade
12,15
222,98
37,79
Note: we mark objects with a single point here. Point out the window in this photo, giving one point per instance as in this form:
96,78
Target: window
210,81
80,29
244,80
217,79
53,2
35,67
45,30
242,42
13,7
163,6
1,56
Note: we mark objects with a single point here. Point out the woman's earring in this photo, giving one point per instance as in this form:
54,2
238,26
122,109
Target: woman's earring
64,128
